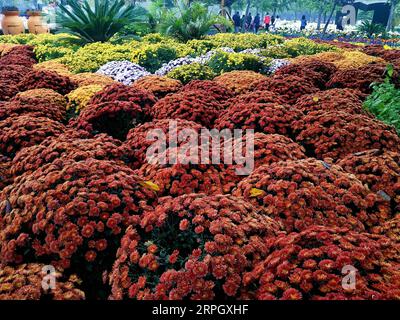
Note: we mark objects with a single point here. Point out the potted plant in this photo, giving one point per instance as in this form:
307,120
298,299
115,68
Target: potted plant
35,22
12,23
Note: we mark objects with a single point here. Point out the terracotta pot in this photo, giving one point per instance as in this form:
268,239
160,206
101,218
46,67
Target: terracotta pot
36,24
12,23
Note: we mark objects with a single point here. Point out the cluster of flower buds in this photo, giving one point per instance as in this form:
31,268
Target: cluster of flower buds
25,131
66,146
19,55
34,109
322,263
46,79
140,138
301,193
119,92
191,247
71,214
378,169
359,78
212,88
335,134
258,96
193,105
347,100
289,87
315,70
261,117
5,174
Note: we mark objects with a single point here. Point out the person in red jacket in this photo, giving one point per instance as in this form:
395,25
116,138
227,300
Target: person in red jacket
267,21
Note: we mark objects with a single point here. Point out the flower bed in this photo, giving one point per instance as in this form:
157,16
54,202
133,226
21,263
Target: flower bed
216,239
308,265
301,193
261,117
336,134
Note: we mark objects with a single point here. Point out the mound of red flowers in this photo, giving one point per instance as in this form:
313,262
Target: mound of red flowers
46,79
40,96
359,78
193,247
142,137
378,169
347,100
66,146
335,134
71,215
34,109
24,282
268,148
322,263
157,85
114,118
257,96
5,174
319,72
261,117
118,92
390,229
240,81
25,131
177,171
220,93
300,193
192,105
289,87
19,55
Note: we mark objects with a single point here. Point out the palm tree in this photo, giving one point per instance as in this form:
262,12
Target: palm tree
97,22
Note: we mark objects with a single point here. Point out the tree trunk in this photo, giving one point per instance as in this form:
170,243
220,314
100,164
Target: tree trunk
329,18
248,7
389,26
319,19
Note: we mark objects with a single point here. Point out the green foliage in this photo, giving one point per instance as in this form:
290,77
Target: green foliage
276,52
302,46
152,56
189,72
130,32
97,22
244,41
371,29
224,62
384,103
92,56
46,52
200,47
189,21
17,39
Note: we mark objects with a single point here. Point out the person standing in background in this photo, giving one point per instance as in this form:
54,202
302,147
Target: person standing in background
249,20
256,23
267,21
273,20
236,21
243,23
303,23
